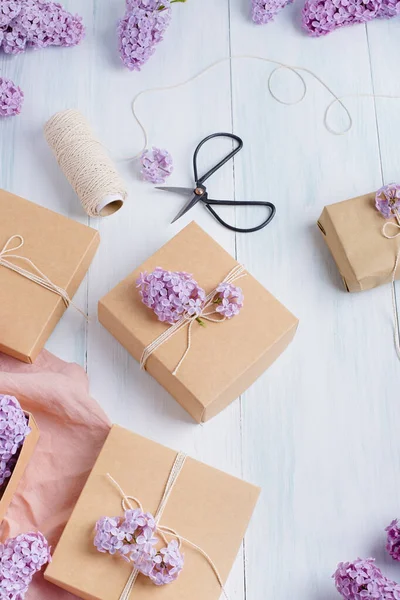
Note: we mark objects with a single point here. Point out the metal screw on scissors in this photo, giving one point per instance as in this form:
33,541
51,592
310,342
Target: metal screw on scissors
199,192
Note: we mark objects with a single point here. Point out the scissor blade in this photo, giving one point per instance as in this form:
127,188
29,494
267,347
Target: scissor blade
189,205
177,190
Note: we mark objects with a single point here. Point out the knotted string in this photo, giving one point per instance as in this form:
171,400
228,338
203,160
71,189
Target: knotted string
189,320
36,276
396,263
162,530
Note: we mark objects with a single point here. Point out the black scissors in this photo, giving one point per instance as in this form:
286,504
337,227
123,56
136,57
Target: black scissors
199,193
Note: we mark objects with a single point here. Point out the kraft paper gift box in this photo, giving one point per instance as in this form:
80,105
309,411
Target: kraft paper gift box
224,358
352,229
9,487
207,507
61,248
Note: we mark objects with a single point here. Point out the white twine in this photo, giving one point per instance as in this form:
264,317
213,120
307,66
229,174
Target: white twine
85,163
298,71
162,530
188,321
396,263
37,276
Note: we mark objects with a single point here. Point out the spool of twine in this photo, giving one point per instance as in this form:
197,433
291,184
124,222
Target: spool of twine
85,163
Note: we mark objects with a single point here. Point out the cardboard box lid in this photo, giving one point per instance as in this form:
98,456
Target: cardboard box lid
220,353
208,507
62,249
24,457
358,245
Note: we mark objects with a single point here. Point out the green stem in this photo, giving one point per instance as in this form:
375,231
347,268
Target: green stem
200,322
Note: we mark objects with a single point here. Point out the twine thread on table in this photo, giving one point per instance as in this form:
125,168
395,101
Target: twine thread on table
188,321
85,163
296,70
393,279
36,275
162,530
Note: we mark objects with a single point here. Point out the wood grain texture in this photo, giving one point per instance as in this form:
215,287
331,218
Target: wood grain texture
319,431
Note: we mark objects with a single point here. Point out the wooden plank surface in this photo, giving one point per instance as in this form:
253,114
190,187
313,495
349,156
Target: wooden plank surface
319,431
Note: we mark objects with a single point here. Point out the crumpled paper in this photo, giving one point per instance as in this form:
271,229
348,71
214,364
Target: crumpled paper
73,429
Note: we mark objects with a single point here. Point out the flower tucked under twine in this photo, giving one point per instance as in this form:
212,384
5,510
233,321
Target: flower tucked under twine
20,559
134,538
11,96
363,580
176,298
13,431
320,17
141,29
157,165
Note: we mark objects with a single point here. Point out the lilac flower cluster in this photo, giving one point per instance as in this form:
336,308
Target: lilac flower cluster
20,559
393,540
387,200
170,294
156,165
362,580
37,24
264,11
13,431
11,97
320,17
134,539
141,29
229,299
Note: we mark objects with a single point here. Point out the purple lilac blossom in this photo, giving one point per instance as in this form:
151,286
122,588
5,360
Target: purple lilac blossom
229,299
9,9
393,540
13,431
39,24
20,559
387,200
171,294
156,165
323,16
141,29
11,98
264,11
362,580
133,538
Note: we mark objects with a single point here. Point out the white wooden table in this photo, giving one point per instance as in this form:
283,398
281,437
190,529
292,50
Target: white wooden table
320,430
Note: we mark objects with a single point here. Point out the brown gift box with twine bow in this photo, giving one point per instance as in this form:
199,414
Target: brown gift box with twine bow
207,507
224,358
61,249
353,231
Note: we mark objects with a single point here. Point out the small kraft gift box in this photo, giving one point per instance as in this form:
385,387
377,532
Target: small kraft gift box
206,509
204,367
354,232
9,487
43,260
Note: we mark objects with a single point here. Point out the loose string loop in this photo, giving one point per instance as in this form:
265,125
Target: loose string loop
163,530
36,275
388,236
188,321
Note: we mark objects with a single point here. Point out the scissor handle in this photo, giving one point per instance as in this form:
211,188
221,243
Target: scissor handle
268,205
232,136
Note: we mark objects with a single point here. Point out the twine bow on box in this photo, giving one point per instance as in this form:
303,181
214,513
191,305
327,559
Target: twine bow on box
160,530
207,312
9,260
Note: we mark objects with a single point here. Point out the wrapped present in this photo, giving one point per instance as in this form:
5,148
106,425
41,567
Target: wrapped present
212,334
22,459
43,260
189,518
363,240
